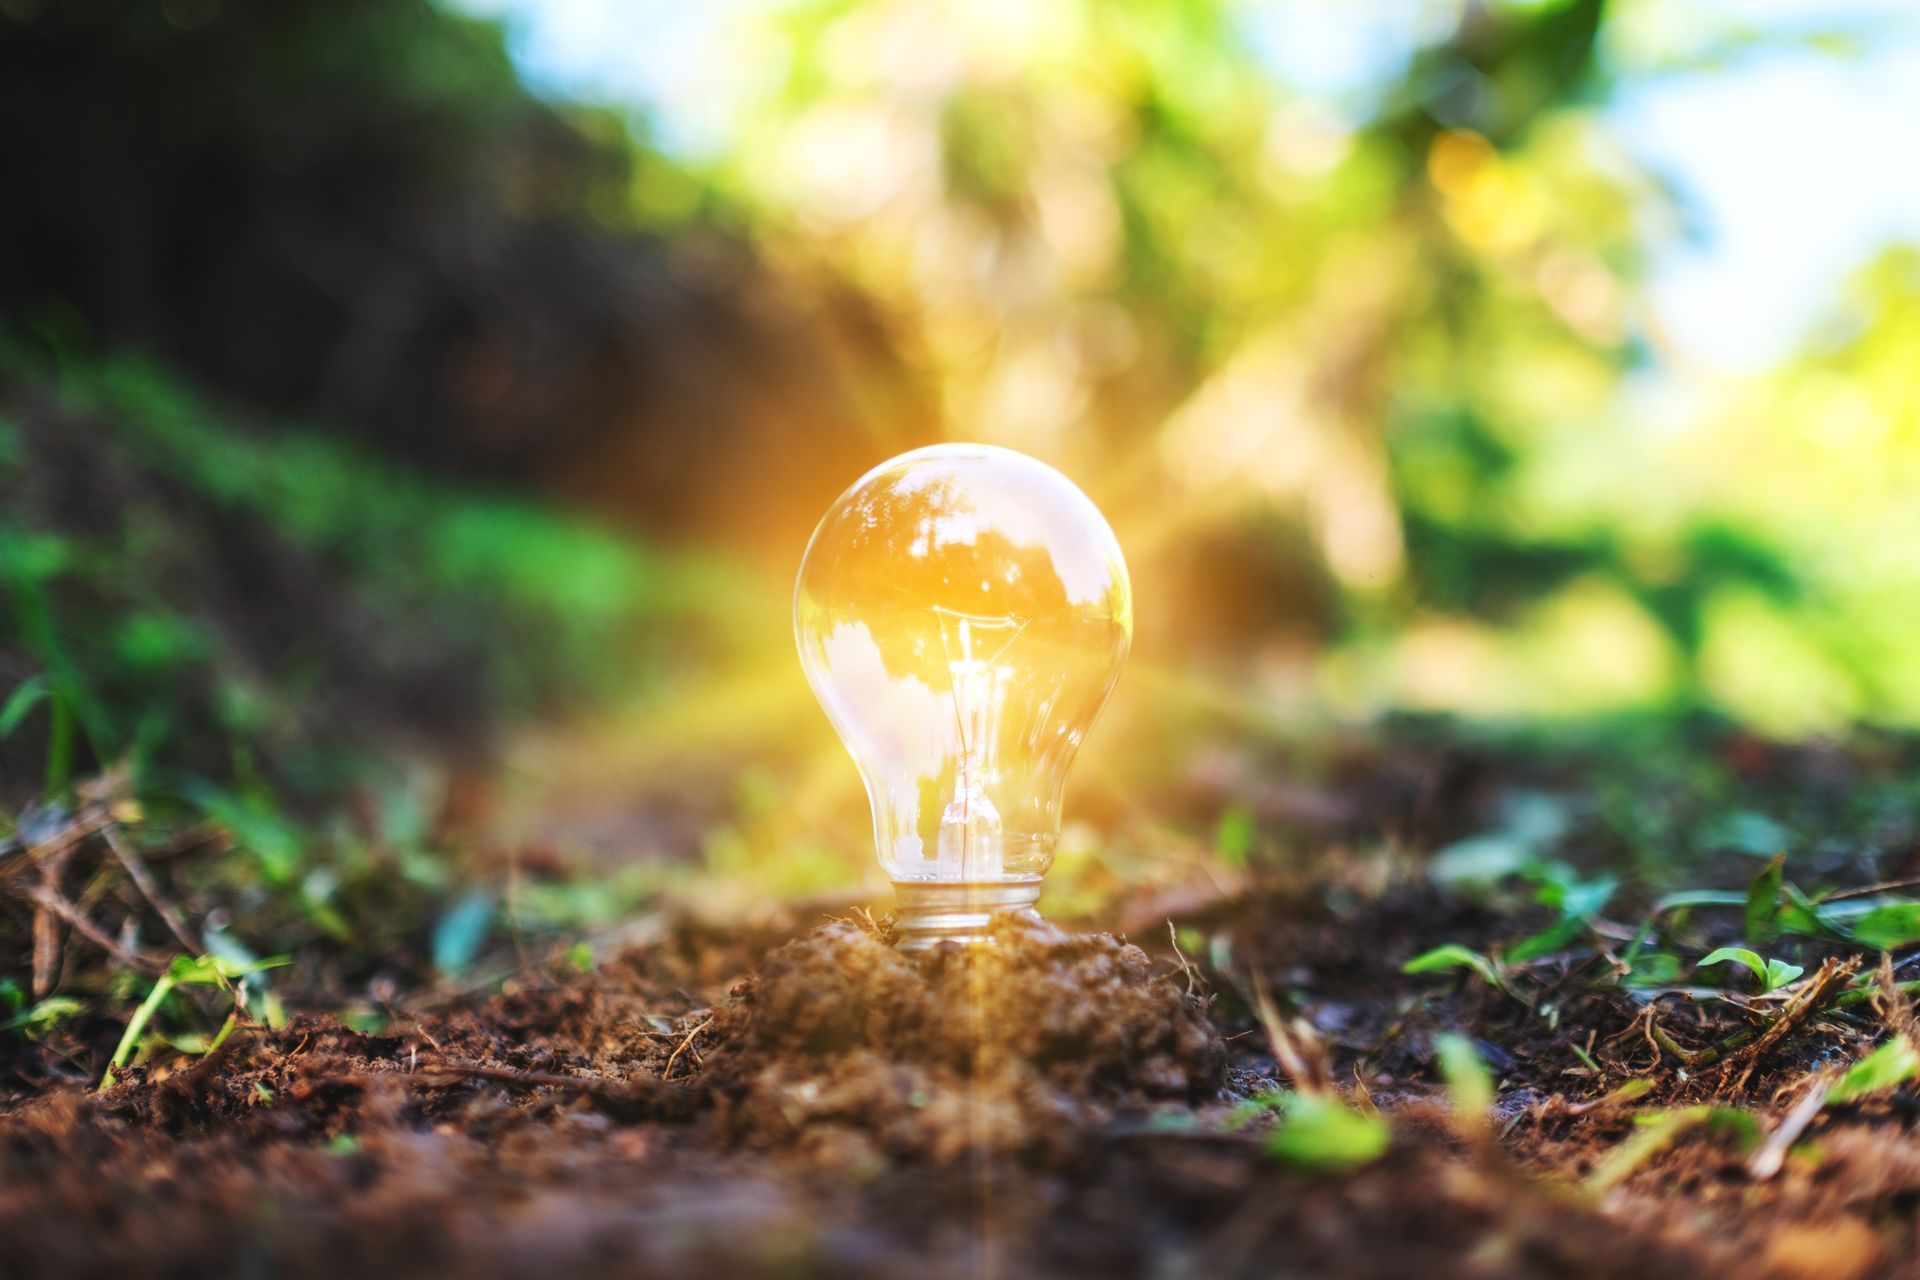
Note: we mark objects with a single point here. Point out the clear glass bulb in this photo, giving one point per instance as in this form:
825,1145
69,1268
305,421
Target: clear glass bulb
962,613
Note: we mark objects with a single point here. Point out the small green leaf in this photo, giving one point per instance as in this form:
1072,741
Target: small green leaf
1322,1135
1699,898
1234,840
461,932
1579,902
1748,832
1894,925
1638,1087
1773,974
260,829
366,1021
1763,900
1479,860
1739,955
1468,1080
25,696
1802,915
42,1017
1452,955
213,971
1893,1063
1780,973
1655,969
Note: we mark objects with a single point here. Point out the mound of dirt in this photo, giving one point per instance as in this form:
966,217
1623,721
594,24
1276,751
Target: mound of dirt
857,1050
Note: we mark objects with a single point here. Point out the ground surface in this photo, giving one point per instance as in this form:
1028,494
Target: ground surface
801,1099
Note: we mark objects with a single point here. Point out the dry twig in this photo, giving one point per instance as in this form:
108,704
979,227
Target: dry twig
143,881
1773,1152
1296,1049
667,1072
52,904
639,1093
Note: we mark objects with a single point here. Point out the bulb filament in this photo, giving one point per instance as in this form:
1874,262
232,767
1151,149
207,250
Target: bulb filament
970,843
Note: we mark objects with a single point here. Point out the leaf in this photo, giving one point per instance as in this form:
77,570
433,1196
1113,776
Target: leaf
1531,821
1479,860
1802,915
1234,840
43,1015
1546,942
1773,974
25,696
1893,1063
1656,969
1638,1087
1323,1135
1579,902
1742,956
1890,926
1699,898
1746,831
214,971
1763,901
259,828
1468,1080
1780,973
458,937
1452,955
1587,898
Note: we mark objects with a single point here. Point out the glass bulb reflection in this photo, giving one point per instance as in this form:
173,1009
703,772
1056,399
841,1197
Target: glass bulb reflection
962,613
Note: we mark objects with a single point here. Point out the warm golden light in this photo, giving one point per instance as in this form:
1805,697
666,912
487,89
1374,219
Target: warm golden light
962,613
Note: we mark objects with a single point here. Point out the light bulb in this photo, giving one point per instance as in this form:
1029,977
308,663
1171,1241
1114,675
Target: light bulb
962,613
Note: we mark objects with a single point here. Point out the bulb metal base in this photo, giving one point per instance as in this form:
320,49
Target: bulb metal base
930,912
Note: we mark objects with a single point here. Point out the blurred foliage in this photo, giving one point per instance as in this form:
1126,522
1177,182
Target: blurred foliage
288,637
189,588
1399,339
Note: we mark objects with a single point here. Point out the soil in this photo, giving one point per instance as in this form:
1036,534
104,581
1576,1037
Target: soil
803,1099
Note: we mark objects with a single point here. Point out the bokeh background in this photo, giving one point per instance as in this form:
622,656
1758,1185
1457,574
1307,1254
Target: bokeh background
413,413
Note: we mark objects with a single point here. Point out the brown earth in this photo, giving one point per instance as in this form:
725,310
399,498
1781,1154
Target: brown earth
1058,1104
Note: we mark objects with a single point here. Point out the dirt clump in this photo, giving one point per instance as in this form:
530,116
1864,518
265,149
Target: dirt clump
853,1048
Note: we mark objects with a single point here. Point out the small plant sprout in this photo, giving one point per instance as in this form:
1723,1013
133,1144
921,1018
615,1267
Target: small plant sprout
1887,1067
1452,955
1321,1134
1772,974
188,971
1469,1084
42,1017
